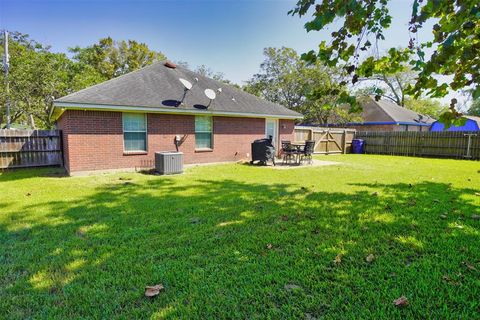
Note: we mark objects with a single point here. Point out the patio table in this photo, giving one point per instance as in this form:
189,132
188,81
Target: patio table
298,150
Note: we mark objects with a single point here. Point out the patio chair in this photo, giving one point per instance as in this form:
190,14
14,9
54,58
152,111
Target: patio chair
307,151
288,152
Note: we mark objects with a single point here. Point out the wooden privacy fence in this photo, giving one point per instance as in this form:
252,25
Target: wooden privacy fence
30,148
464,145
327,140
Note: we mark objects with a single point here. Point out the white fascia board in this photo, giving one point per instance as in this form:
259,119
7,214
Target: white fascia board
102,107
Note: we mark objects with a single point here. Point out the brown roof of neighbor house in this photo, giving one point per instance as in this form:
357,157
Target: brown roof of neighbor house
387,111
157,88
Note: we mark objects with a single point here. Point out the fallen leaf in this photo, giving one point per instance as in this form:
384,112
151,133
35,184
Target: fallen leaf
338,258
154,290
292,287
449,280
81,232
269,246
443,216
401,302
469,266
370,258
477,194
195,220
309,316
28,194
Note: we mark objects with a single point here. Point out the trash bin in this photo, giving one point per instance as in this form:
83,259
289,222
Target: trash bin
358,146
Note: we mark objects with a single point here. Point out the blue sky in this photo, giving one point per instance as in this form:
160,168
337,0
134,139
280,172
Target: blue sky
226,35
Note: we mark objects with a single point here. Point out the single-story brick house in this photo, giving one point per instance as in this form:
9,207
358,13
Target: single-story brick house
122,122
385,115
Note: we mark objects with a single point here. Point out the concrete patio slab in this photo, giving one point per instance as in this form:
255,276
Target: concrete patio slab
315,163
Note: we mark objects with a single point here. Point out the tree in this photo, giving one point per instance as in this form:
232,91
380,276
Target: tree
426,106
391,86
456,42
474,109
111,58
209,73
36,77
314,90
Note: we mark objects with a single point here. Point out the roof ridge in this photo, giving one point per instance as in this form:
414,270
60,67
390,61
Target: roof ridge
239,90
382,109
403,109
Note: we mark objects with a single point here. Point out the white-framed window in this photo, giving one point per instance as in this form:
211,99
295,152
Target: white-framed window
134,132
203,132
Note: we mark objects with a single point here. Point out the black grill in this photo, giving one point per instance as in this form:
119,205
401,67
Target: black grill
262,151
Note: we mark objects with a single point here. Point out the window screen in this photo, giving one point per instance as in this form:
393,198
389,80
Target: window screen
203,132
135,132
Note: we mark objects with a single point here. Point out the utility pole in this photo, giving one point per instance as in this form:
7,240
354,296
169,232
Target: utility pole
6,65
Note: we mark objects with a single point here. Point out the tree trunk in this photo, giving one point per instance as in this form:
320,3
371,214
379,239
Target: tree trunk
31,121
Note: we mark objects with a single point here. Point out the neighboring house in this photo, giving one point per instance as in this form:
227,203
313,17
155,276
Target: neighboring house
121,123
385,115
471,124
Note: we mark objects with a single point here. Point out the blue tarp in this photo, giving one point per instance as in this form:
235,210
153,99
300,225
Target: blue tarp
470,125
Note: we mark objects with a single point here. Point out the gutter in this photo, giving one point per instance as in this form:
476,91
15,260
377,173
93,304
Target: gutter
62,106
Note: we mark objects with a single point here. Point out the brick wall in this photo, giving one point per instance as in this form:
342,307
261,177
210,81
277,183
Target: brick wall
93,140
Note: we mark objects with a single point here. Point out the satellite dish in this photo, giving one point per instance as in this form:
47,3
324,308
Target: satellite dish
186,83
210,94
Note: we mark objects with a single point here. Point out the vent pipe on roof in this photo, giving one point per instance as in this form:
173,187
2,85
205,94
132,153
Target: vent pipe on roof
170,64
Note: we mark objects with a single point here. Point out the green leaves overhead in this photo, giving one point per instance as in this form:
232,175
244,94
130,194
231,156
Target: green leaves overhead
314,89
455,44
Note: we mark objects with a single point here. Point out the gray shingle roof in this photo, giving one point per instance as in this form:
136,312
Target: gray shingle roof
158,87
385,110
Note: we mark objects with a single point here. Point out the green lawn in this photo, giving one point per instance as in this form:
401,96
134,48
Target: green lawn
234,241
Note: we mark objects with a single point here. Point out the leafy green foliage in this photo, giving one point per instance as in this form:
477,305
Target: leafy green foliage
37,76
208,72
242,242
426,106
456,42
315,90
114,58
474,109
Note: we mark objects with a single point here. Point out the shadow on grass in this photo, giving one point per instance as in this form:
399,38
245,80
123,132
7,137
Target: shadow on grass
14,174
225,248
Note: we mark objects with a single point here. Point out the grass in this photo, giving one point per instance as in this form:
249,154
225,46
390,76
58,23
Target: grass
234,241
